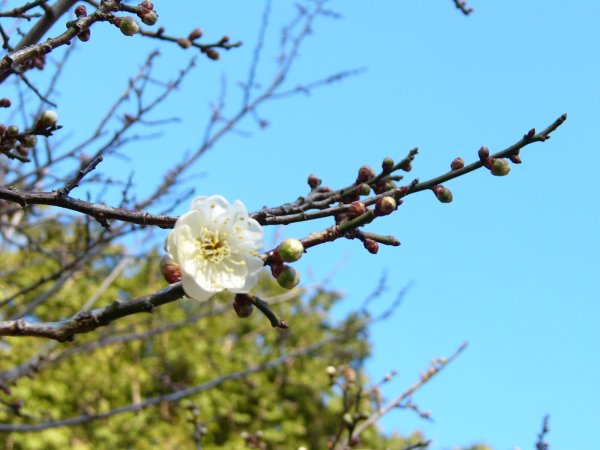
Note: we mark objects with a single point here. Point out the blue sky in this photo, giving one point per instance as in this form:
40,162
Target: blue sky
511,265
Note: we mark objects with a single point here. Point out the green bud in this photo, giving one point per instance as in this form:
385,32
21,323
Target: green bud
388,164
364,189
288,278
149,17
443,194
500,167
129,26
12,131
290,250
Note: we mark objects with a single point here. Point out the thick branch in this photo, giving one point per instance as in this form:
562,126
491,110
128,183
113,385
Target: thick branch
43,25
87,321
28,51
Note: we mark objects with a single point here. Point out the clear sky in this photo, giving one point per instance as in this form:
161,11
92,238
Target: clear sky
510,266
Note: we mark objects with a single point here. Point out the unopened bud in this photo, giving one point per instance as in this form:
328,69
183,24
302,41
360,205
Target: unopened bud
406,166
47,119
146,4
29,140
356,209
388,164
515,158
371,246
500,167
380,186
385,205
148,16
170,269
290,250
12,131
484,154
212,54
530,134
4,102
350,197
243,306
80,11
313,181
457,163
128,26
288,278
196,33
443,194
364,189
365,173
85,35
184,43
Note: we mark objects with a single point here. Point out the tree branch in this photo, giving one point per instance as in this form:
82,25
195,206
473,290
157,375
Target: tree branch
87,321
285,214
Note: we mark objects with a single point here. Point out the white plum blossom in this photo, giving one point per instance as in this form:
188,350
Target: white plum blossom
217,246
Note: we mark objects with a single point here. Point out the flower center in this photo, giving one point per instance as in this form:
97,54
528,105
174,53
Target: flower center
213,247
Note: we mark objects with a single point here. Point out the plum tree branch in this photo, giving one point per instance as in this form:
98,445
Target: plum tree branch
87,321
285,214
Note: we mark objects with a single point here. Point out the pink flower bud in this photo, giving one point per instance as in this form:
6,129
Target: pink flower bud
184,43
213,54
365,173
371,246
80,11
313,181
515,158
196,33
457,163
170,269
85,35
356,209
484,154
